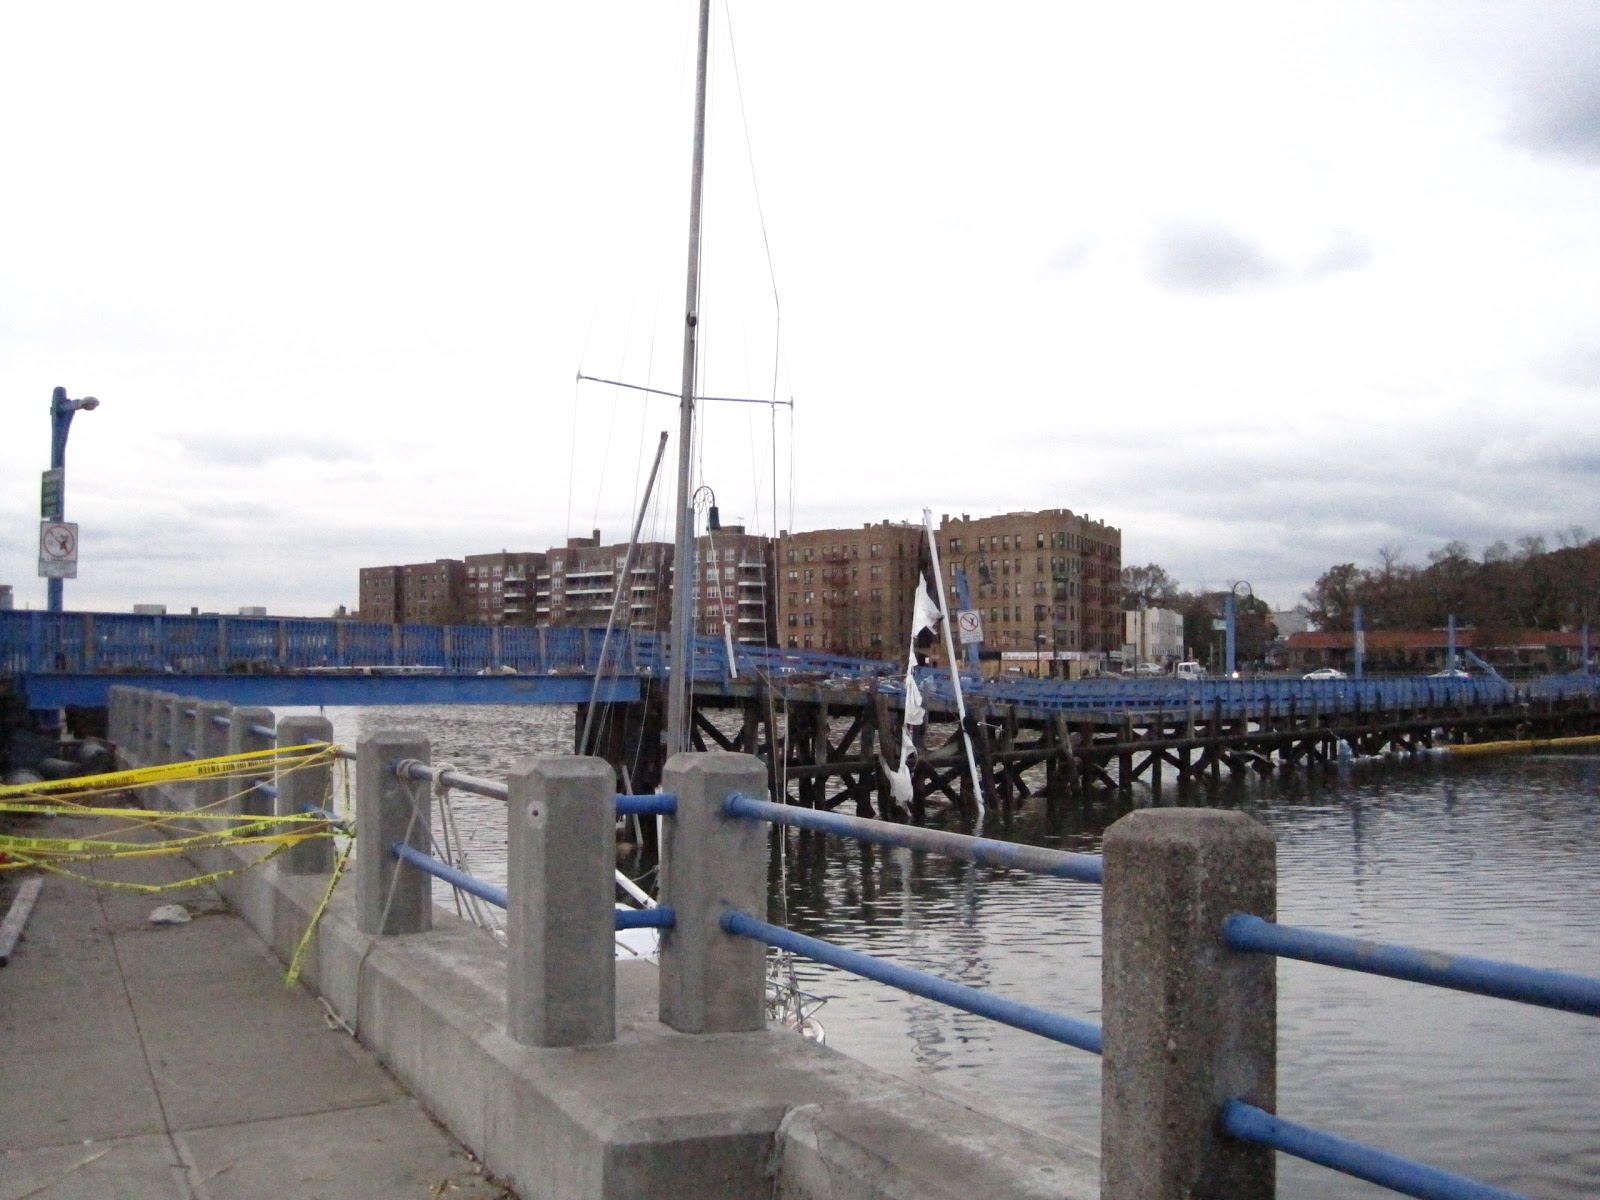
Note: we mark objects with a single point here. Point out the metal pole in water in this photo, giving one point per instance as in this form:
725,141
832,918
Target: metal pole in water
1360,644
683,568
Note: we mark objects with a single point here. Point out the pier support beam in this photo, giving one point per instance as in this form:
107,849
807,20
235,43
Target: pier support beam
1189,1024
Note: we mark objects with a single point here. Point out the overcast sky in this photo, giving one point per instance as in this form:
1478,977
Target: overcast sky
1266,286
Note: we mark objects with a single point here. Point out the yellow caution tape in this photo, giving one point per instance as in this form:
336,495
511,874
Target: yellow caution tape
196,881
278,831
292,976
106,848
200,768
149,815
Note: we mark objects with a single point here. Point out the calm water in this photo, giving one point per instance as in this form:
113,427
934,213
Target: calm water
1490,858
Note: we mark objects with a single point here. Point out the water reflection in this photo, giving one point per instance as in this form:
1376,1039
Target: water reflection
1489,858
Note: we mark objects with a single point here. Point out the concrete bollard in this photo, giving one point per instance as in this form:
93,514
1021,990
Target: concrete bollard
560,925
157,728
133,736
211,741
117,714
242,739
712,981
1189,1024
161,728
391,896
307,787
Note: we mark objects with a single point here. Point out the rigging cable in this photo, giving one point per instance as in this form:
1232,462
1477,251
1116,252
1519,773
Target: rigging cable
772,274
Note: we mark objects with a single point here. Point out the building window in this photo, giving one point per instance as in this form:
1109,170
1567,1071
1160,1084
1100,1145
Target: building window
877,550
955,545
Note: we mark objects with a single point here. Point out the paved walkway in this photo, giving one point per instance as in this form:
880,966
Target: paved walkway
145,1062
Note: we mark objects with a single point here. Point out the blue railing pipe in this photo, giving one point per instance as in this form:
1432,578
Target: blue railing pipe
660,917
1068,1030
1406,1176
1481,976
1085,868
470,884
658,804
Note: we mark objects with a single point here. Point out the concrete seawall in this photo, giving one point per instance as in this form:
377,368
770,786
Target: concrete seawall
655,1113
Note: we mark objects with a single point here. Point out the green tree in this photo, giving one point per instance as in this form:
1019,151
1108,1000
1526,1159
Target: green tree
1334,596
1148,586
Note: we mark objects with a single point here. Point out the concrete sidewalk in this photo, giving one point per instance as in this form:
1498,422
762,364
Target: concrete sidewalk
145,1062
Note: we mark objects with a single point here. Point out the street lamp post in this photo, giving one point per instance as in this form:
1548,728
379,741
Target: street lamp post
1233,620
62,411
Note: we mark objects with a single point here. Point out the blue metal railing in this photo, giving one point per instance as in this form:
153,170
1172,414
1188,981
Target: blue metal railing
1482,976
1069,1030
1242,932
661,916
1404,1175
1085,868
40,643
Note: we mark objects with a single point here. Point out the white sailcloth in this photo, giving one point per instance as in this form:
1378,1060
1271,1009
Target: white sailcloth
925,615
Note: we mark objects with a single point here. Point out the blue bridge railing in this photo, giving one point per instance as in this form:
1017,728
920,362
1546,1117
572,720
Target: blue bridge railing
98,644
1241,932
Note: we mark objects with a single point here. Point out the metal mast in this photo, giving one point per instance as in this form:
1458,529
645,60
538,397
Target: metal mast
680,661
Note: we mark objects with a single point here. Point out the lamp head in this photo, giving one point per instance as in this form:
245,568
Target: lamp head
88,402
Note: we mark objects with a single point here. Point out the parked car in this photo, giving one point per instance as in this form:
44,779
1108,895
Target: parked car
1149,668
1189,670
1325,673
1458,673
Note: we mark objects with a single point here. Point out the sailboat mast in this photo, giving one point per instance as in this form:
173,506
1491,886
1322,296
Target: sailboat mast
681,656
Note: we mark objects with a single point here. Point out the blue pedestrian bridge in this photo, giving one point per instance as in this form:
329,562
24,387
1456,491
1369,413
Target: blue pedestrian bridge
61,659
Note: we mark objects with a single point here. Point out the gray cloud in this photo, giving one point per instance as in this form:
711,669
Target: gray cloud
1577,366
1344,252
1555,111
1209,259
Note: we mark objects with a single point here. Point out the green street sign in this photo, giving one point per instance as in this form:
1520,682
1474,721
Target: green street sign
51,483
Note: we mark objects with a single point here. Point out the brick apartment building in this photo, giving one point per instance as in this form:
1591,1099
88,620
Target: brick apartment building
418,593
848,591
731,588
500,587
578,582
1046,581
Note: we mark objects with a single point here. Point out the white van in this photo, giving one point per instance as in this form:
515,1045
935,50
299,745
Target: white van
1188,670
